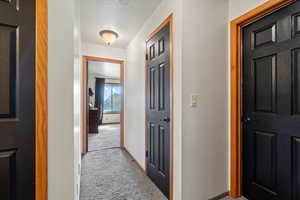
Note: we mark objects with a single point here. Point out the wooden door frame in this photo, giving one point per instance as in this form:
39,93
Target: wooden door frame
169,21
41,101
236,90
85,59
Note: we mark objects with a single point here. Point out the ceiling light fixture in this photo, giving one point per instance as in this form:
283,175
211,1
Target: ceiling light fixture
108,36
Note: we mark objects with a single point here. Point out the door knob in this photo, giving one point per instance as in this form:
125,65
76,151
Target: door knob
247,119
166,119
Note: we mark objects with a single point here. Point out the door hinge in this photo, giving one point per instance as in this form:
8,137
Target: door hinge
147,154
146,56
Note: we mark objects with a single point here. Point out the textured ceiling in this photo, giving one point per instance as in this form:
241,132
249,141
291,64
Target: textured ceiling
125,17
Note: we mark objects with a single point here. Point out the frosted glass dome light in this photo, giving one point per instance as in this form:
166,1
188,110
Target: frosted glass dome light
108,36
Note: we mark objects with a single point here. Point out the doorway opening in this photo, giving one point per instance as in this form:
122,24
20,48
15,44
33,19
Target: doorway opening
103,104
119,30
159,107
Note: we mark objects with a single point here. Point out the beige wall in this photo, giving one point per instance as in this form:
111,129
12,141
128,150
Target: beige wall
77,101
103,51
240,7
64,100
203,73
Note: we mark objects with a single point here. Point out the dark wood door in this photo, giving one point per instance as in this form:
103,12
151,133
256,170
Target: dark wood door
158,109
271,106
17,99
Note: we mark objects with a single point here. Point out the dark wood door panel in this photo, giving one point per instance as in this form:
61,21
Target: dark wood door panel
17,97
271,108
158,109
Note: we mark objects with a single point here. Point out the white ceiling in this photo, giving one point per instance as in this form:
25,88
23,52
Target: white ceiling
104,69
125,17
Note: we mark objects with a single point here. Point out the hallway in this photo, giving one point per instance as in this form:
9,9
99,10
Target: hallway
108,137
108,173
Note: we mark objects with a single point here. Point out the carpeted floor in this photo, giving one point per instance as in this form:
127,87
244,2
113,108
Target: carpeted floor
108,137
229,198
108,173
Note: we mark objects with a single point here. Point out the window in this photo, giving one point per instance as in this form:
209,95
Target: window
112,98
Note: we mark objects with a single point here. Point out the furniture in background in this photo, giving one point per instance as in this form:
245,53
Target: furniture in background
100,114
99,97
93,120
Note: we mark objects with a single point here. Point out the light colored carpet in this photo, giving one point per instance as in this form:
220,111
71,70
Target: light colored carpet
229,198
110,174
108,137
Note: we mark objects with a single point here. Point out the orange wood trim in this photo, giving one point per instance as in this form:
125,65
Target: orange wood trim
41,98
146,125
92,58
122,122
171,189
169,20
162,25
84,95
134,160
84,106
235,88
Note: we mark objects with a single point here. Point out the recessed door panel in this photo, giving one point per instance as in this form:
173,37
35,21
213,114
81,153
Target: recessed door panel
161,86
296,167
8,177
296,81
265,160
264,35
265,84
152,52
161,46
152,153
162,149
296,24
8,62
153,87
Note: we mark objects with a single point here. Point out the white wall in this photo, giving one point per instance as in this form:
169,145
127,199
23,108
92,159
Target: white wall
77,102
103,51
203,69
135,88
64,116
238,7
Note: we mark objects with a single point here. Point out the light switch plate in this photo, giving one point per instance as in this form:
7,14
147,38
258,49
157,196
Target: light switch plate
194,100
